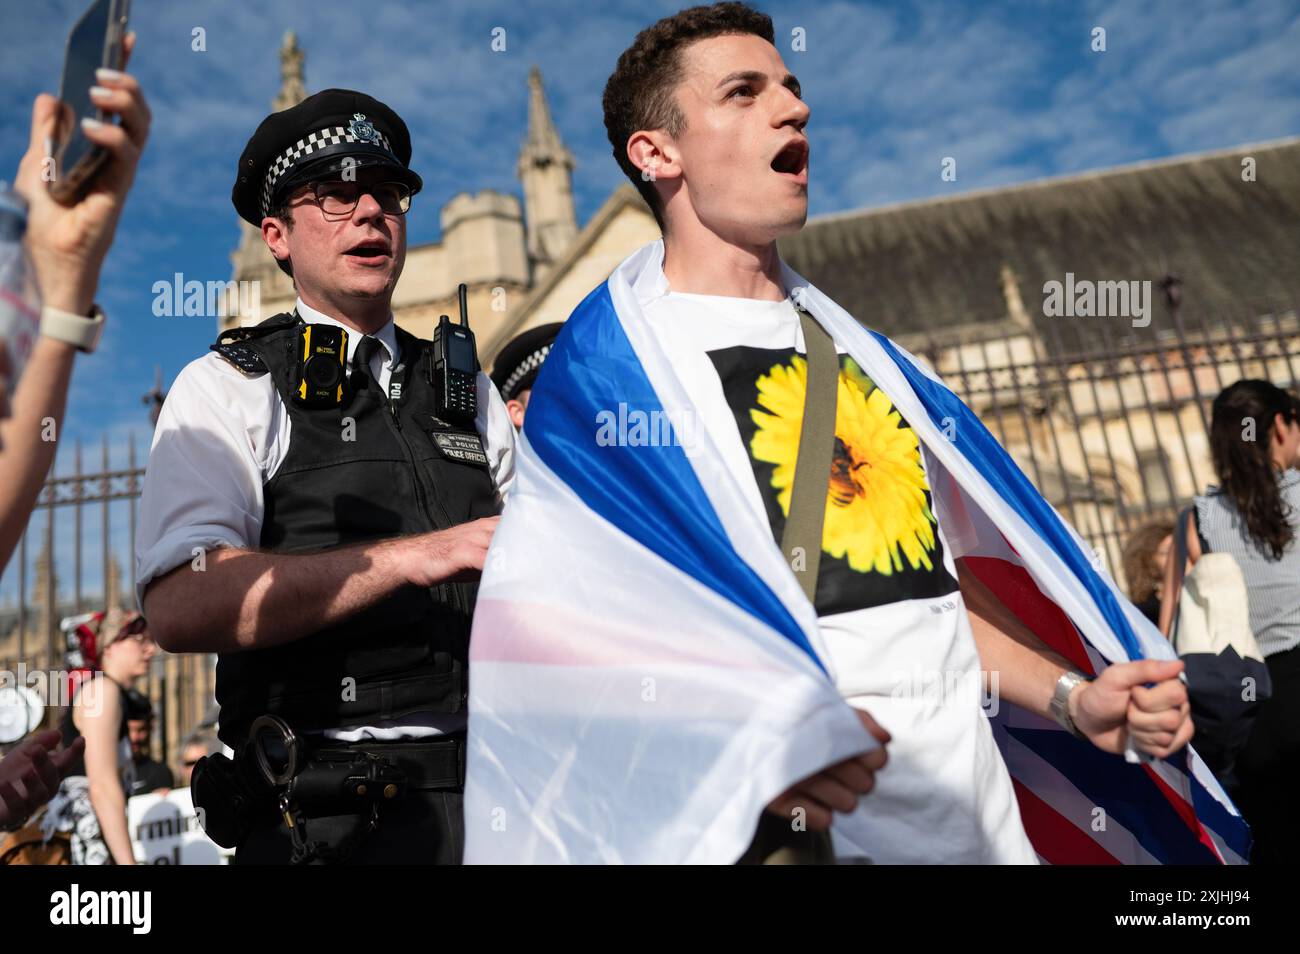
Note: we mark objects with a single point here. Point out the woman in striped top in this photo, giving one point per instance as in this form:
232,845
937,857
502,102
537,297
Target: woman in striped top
1254,514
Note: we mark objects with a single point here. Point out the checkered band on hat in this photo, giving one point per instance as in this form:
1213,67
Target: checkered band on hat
314,142
526,367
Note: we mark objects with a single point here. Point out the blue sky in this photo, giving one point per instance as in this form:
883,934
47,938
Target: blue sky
1013,91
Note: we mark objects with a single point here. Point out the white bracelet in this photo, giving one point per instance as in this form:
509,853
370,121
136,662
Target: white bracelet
1060,704
81,331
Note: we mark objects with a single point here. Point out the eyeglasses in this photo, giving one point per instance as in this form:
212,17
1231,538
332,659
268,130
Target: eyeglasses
144,638
340,198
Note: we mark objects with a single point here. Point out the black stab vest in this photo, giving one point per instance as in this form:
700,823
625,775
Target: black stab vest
409,652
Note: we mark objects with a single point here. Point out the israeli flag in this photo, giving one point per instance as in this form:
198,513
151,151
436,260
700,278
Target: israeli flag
647,673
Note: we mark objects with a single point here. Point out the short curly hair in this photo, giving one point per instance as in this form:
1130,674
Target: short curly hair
641,92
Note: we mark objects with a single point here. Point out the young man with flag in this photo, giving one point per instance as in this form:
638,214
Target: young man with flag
656,670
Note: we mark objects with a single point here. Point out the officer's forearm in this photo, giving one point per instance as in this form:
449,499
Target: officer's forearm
245,599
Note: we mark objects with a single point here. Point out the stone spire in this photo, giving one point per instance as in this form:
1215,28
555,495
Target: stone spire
292,88
251,259
546,170
1009,281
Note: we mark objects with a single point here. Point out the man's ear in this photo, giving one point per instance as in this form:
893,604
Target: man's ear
275,235
655,154
515,409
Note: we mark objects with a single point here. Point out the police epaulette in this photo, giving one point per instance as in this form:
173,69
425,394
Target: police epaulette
230,343
241,356
270,326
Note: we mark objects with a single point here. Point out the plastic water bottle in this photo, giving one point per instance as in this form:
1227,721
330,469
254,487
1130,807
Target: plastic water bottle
20,298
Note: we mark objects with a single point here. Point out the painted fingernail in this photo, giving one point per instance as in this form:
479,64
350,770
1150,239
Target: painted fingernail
99,92
90,122
105,75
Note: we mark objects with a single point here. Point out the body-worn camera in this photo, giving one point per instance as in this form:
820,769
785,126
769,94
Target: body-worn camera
322,357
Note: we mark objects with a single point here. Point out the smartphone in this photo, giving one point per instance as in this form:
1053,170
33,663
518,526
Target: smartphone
95,41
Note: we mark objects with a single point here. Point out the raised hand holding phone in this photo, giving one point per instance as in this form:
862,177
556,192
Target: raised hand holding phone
68,243
95,42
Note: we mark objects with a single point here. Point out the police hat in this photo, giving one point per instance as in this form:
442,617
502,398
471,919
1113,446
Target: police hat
311,140
516,367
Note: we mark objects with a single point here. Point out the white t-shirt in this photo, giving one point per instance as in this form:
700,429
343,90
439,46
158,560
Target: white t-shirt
891,613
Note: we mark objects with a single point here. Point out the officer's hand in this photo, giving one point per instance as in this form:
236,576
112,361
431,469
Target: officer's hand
30,774
449,556
68,243
834,789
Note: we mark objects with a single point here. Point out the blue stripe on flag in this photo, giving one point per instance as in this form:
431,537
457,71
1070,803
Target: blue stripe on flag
1123,791
648,490
1005,476
1231,828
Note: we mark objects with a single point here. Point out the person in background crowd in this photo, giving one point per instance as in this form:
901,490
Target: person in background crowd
150,776
1252,515
1146,555
516,367
91,802
196,747
67,246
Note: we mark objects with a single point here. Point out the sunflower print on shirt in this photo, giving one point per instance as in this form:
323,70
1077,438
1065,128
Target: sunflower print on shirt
880,539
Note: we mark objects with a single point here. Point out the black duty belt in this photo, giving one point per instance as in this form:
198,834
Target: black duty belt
312,777
298,777
428,764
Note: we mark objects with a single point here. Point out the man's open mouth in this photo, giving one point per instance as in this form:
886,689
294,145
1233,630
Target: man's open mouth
792,160
371,249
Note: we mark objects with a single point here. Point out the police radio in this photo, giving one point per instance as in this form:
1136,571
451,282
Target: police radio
322,357
454,368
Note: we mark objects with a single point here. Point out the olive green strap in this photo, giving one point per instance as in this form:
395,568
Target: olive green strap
801,541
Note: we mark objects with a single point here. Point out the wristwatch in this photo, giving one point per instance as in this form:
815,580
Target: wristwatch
81,331
1060,705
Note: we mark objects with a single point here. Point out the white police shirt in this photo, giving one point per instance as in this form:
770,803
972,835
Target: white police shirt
221,436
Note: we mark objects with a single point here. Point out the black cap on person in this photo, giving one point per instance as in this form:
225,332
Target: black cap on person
516,367
322,135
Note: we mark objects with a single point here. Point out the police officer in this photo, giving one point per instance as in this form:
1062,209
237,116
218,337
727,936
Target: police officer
323,537
517,364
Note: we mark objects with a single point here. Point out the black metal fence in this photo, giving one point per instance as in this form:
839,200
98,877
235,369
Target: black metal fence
92,515
1114,432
